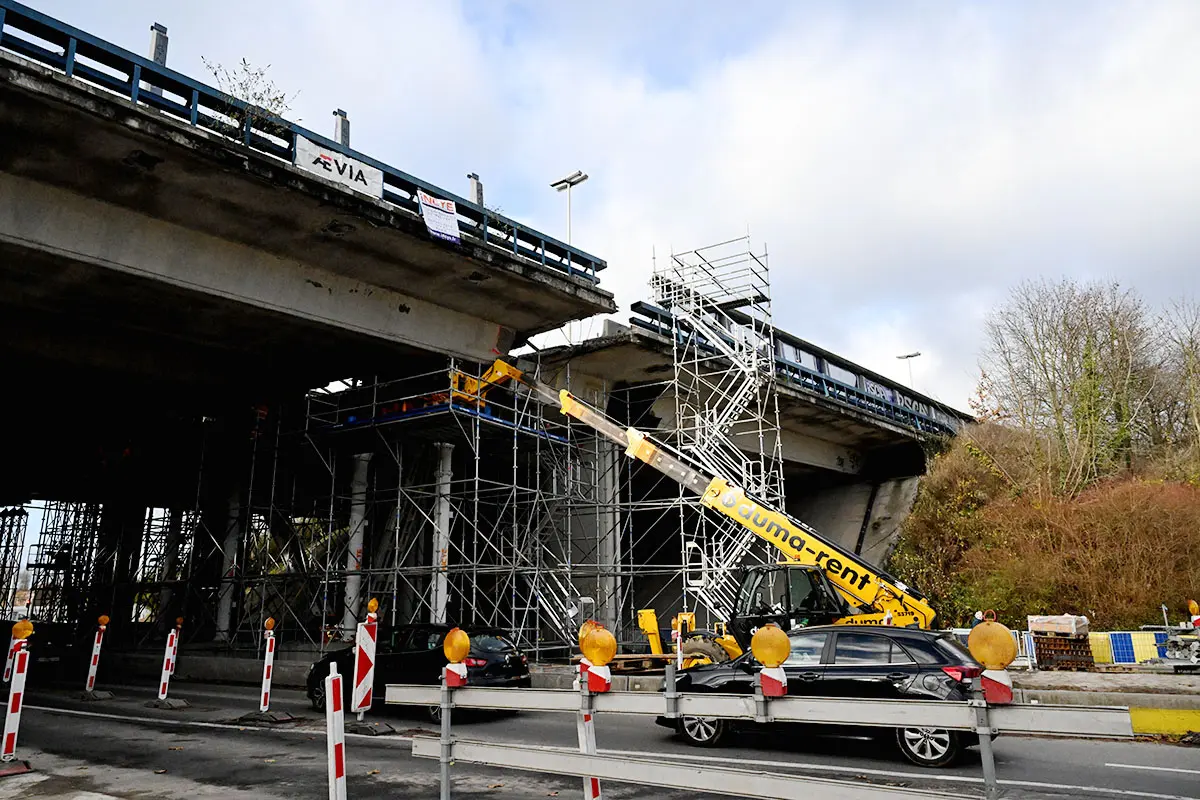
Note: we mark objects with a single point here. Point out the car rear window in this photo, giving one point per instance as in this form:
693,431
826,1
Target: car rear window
951,646
491,643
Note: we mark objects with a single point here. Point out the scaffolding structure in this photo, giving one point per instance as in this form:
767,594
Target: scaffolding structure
60,561
726,408
13,522
450,494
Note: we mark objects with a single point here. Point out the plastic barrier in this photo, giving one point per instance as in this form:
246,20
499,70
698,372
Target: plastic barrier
264,704
164,682
335,731
364,661
19,654
8,659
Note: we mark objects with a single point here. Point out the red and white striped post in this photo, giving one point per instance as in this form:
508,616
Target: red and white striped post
268,663
178,636
168,665
335,731
95,663
16,695
8,659
364,661
598,646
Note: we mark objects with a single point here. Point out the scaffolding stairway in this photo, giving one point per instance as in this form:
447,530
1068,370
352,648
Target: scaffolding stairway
719,300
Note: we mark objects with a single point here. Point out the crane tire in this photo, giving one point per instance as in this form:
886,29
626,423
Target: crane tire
706,648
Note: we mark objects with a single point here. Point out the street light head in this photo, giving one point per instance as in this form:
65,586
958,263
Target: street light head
575,178
909,355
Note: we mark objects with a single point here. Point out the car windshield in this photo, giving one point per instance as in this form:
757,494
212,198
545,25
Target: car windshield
491,643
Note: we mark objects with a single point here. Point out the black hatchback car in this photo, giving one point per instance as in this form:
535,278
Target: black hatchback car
413,654
851,661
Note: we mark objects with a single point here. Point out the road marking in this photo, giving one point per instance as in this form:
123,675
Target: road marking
1158,769
187,723
1092,791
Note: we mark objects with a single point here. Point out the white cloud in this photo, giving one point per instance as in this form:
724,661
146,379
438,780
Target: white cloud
905,163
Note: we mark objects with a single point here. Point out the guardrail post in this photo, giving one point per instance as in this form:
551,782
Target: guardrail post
670,692
983,729
587,737
447,740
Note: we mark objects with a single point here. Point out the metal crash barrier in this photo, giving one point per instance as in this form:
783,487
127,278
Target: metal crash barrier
975,716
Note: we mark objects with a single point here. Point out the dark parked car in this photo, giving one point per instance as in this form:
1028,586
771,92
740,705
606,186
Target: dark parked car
851,661
413,654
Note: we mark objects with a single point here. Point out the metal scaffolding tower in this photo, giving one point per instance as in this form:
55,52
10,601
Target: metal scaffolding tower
60,562
12,544
726,409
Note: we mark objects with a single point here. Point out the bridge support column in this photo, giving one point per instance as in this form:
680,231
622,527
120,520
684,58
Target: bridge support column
608,536
441,534
170,559
229,548
862,517
354,552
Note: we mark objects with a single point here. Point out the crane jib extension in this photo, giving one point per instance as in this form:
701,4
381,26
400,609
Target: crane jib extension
861,584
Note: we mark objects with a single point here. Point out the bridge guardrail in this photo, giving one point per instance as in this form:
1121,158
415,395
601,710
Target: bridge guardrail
102,64
975,716
658,321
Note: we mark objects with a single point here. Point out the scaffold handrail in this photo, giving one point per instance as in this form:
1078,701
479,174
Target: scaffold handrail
260,131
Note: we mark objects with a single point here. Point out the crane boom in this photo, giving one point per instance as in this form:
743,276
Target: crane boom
877,594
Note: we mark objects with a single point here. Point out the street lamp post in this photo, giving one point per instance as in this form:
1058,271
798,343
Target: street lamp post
564,184
909,357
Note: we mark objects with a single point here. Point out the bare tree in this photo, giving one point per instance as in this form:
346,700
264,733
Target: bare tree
251,85
1076,365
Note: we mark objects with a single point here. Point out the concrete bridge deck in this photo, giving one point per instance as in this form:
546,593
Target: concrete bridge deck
158,262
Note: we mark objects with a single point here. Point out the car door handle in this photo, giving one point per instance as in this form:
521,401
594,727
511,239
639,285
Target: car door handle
808,676
897,676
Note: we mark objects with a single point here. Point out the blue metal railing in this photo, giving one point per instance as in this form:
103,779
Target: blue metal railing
84,57
813,381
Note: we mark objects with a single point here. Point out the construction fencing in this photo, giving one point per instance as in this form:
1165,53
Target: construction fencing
974,716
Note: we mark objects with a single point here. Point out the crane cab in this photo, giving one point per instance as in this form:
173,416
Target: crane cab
788,595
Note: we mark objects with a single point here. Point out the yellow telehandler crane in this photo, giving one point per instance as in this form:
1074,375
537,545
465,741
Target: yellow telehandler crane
816,583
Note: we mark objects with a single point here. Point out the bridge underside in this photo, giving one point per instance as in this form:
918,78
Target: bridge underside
173,309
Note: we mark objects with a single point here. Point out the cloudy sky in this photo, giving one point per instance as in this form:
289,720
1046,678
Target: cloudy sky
905,163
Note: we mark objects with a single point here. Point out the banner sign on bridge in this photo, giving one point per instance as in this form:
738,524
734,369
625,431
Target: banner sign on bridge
334,166
441,216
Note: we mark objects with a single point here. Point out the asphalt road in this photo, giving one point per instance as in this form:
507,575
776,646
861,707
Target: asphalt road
205,748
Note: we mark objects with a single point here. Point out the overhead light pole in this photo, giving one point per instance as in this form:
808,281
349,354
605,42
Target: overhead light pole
909,357
564,185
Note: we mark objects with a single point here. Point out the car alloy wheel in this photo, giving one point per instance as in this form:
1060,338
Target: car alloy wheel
928,747
702,731
318,697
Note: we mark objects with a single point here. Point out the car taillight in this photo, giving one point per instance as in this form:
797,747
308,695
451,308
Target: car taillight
475,662
961,673
524,660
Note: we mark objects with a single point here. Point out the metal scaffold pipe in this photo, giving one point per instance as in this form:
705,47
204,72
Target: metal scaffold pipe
441,533
354,550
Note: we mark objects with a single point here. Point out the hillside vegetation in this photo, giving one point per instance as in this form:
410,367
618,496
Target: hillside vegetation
1079,490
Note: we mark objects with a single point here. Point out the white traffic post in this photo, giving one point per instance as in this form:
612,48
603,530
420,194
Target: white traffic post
364,661
168,665
456,647
16,695
95,663
8,659
598,646
268,664
175,651
335,732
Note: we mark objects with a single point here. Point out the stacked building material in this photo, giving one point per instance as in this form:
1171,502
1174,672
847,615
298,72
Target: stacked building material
1061,642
